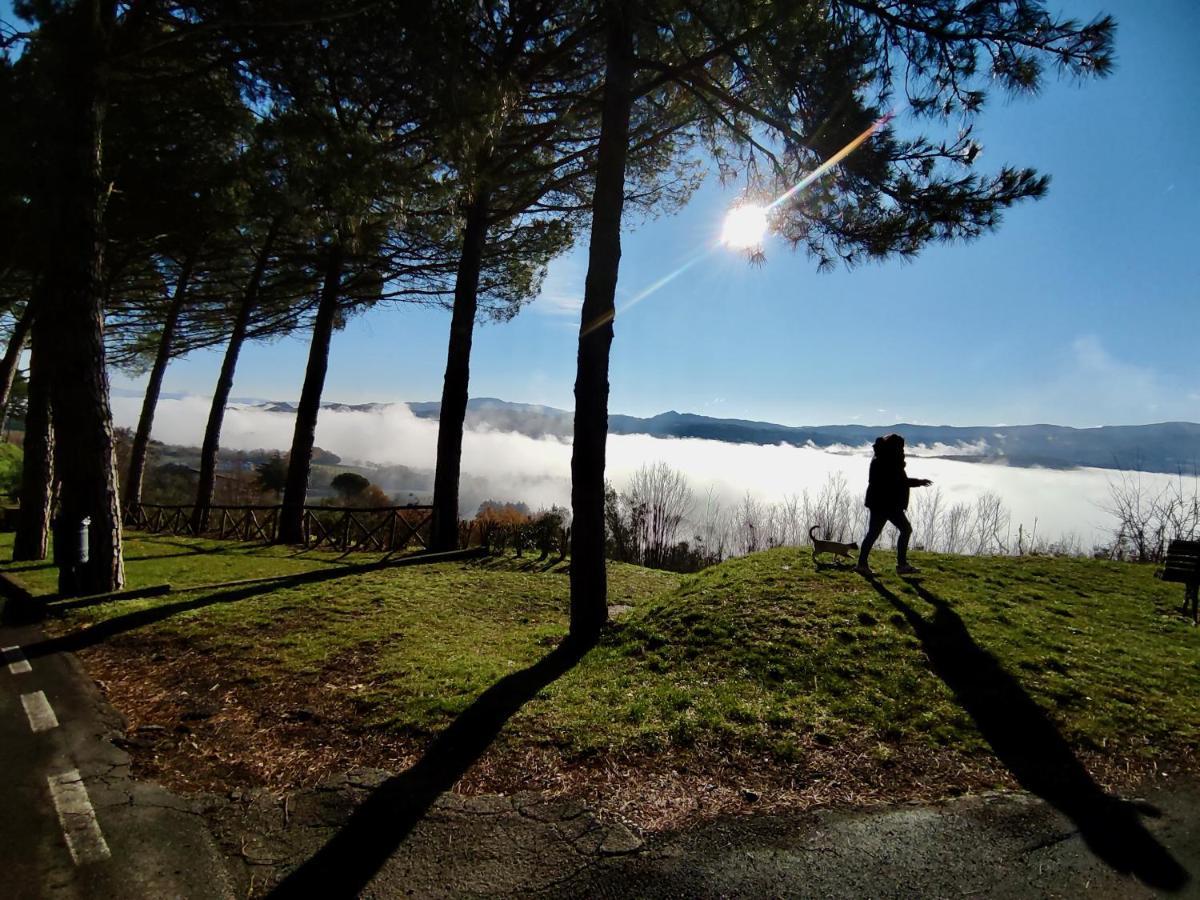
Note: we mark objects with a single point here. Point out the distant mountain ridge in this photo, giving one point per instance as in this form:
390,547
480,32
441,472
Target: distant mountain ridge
1163,447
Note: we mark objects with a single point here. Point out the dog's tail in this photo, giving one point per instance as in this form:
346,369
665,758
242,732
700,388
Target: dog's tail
811,536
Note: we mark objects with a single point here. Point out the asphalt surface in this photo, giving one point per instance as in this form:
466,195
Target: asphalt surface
143,842
376,834
1004,845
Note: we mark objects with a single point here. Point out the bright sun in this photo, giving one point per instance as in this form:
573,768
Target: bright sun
744,227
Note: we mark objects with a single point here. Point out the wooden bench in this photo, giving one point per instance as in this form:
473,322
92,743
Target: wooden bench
1183,565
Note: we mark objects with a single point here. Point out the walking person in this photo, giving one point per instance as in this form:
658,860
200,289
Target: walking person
887,499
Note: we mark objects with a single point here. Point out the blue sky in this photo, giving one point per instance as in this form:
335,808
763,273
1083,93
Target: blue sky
1083,309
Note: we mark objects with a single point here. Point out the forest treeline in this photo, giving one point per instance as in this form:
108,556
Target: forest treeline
178,175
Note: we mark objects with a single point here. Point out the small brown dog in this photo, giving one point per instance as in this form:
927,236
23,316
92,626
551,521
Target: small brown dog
837,548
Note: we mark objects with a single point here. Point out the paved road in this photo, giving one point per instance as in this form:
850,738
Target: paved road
1005,845
74,823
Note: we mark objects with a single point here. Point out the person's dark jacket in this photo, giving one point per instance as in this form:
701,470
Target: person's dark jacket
888,484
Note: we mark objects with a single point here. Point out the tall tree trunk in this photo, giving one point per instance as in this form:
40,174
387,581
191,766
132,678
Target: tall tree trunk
141,440
589,588
8,365
216,414
37,476
458,374
84,457
295,490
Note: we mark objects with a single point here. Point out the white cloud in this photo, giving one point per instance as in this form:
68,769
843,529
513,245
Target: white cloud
509,466
979,448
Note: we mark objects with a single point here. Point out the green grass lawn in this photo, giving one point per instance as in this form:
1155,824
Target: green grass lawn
764,650
152,559
762,655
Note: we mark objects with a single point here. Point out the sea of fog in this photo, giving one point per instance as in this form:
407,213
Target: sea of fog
512,467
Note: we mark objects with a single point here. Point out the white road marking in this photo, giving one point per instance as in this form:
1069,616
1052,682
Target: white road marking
17,663
40,712
85,840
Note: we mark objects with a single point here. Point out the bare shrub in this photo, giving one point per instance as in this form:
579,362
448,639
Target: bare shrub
955,529
831,510
713,527
748,531
659,499
1179,507
793,529
989,527
928,511
1149,519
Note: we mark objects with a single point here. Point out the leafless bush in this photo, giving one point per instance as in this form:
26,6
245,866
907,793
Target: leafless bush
773,525
1148,519
1138,533
1027,543
989,532
713,530
660,500
830,511
956,529
861,518
748,531
1179,505
928,510
1068,544
792,518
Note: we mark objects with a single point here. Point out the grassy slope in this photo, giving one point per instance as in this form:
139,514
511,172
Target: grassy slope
761,654
764,650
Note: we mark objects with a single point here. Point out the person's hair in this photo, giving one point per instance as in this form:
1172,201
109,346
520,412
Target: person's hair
890,445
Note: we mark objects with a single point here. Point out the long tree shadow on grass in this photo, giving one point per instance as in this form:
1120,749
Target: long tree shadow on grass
352,857
186,548
228,548
120,624
1027,742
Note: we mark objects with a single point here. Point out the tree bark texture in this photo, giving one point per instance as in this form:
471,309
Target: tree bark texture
295,490
37,475
216,414
455,388
141,439
84,457
8,365
589,588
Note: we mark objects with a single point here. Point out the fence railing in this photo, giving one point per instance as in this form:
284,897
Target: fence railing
345,528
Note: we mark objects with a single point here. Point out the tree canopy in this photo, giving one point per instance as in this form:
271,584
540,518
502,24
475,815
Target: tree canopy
209,171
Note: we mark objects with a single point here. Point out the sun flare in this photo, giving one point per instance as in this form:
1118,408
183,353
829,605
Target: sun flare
745,227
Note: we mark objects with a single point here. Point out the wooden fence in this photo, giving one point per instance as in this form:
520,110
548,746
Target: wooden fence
345,528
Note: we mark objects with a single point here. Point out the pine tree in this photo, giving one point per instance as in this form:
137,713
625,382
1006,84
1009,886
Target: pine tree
75,49
518,131
780,86
176,134
37,474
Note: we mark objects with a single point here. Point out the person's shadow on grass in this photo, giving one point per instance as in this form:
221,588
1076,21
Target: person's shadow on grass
352,857
1031,747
